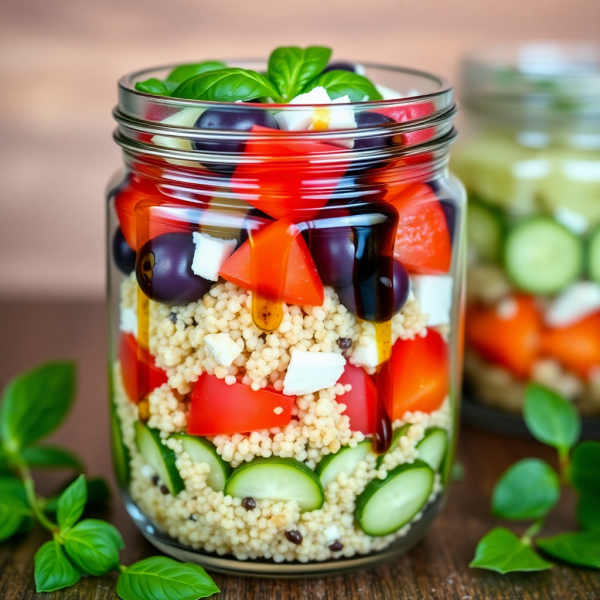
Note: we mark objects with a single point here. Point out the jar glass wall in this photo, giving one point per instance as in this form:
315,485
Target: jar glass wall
530,161
285,313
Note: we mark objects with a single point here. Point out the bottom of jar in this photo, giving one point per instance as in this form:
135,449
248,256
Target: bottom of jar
262,568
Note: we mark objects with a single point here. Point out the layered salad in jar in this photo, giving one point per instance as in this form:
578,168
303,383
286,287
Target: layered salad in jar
281,377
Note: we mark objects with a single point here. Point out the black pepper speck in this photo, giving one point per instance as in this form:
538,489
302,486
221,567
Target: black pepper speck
344,343
249,503
173,317
164,489
155,479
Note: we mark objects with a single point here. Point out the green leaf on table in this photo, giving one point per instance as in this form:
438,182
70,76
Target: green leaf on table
502,551
93,546
51,457
35,403
98,495
581,548
585,468
13,511
345,83
291,68
162,578
53,571
71,504
550,418
226,85
529,489
184,72
588,512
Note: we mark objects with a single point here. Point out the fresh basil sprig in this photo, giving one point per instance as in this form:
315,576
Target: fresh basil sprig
183,72
345,83
531,488
291,68
33,405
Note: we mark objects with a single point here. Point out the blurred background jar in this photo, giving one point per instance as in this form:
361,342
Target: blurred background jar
530,160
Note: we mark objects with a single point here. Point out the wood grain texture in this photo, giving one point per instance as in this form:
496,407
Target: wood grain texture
437,568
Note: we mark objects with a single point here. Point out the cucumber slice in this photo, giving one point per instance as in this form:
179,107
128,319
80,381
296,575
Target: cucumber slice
396,435
343,461
485,230
432,448
542,257
387,505
159,457
120,453
593,255
277,479
201,450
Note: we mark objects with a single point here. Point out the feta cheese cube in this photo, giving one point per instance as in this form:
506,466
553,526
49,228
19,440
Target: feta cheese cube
310,372
434,293
210,255
331,533
222,347
365,356
574,304
128,322
184,118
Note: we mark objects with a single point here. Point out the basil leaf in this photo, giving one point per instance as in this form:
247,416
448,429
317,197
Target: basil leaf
35,403
502,551
344,83
11,486
550,418
92,548
152,86
585,468
182,72
98,494
226,85
51,457
162,578
291,68
12,514
588,514
529,489
581,548
71,504
108,530
53,571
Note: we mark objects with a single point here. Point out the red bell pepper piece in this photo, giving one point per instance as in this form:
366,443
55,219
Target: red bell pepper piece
218,408
411,112
360,400
133,359
421,377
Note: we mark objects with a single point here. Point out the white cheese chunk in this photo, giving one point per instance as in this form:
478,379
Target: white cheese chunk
331,533
128,322
434,293
574,304
387,93
222,347
210,255
310,372
365,356
184,118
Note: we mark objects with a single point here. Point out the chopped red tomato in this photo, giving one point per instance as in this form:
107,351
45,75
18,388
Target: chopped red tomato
360,401
576,347
423,243
302,283
507,334
287,181
217,408
421,377
134,359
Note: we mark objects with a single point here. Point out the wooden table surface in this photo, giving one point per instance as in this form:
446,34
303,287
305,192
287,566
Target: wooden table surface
436,568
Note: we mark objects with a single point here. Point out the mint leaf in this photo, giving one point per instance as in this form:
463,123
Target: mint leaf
550,418
529,489
71,504
581,548
291,68
153,86
35,403
502,551
226,85
161,578
12,514
92,547
51,457
53,571
345,83
588,513
183,72
585,468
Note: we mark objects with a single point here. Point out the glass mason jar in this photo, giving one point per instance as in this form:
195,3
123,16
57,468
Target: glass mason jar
285,322
531,164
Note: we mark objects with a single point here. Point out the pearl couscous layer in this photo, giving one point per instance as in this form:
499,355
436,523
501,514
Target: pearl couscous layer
203,518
